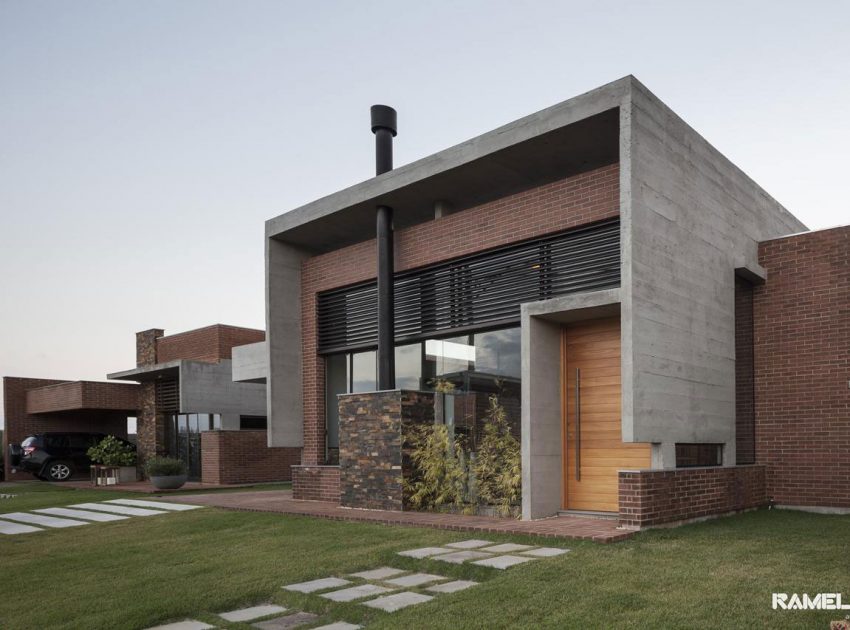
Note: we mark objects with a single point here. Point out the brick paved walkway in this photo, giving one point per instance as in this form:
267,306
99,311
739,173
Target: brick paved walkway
281,501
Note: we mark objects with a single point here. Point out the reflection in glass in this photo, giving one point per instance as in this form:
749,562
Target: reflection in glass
408,366
364,369
336,382
498,352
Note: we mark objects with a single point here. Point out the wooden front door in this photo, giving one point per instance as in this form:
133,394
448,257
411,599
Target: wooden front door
593,446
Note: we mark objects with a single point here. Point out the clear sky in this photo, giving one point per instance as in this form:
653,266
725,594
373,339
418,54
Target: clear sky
143,144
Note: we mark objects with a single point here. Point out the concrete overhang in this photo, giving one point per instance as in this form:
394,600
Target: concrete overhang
575,307
83,396
577,135
250,363
148,373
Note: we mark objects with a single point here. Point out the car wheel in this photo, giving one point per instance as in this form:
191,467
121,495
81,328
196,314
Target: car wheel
59,471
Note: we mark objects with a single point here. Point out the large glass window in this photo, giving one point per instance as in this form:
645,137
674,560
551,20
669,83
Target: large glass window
464,371
183,438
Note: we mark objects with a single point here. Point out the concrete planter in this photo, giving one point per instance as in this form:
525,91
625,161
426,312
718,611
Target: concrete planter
171,482
127,474
113,475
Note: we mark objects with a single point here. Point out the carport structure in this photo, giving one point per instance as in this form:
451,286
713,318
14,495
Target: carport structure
39,405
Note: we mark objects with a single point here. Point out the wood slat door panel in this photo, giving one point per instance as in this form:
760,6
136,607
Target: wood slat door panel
594,348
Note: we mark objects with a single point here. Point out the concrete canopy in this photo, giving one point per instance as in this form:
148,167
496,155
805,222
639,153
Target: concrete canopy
148,373
579,134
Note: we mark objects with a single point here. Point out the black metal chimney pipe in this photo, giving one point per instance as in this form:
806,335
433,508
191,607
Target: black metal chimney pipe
384,127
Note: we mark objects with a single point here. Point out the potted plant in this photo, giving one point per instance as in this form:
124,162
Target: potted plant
166,473
112,452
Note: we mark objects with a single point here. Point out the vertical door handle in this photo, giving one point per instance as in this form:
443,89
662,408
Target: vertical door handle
578,425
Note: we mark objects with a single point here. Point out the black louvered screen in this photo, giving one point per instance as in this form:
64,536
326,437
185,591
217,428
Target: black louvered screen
481,290
167,396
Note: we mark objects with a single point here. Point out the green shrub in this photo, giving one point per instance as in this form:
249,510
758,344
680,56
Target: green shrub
498,462
164,467
446,476
111,451
439,469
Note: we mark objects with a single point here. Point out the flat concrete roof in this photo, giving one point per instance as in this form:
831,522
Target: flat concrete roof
148,372
577,135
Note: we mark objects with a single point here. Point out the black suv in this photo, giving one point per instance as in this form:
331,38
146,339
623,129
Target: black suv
54,456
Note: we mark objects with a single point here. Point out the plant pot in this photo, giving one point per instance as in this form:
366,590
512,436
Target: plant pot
127,474
171,482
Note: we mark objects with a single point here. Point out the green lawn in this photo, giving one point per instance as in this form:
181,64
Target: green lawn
135,573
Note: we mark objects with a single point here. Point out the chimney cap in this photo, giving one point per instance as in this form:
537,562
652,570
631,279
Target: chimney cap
384,117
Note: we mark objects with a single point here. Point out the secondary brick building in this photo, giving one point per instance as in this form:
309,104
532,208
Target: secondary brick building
194,405
189,399
664,349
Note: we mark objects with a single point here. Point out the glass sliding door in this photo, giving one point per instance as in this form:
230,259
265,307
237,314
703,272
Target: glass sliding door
183,438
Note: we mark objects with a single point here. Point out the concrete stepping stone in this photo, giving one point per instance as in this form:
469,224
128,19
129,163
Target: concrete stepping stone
355,592
381,573
502,562
508,548
288,621
423,552
157,505
392,603
545,552
188,624
470,544
459,557
254,612
339,625
116,509
316,585
42,520
415,579
451,587
99,517
16,528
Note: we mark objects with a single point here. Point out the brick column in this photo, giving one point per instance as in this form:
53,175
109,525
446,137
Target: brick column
372,458
146,346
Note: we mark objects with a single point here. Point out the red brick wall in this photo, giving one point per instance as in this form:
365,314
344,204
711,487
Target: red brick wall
316,483
20,424
83,395
210,344
553,207
802,368
655,497
243,457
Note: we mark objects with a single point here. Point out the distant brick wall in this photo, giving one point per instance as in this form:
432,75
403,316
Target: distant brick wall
83,395
210,344
656,497
315,483
802,368
553,207
230,457
372,435
20,424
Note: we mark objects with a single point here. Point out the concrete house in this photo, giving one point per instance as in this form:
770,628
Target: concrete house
620,284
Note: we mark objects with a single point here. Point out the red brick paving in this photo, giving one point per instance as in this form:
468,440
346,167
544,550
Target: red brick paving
281,502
